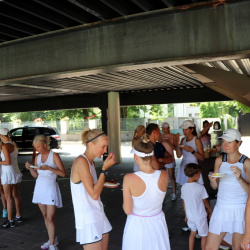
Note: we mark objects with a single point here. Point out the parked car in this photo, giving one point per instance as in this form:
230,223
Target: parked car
24,136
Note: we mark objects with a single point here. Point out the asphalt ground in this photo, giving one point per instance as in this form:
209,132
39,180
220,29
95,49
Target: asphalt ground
32,233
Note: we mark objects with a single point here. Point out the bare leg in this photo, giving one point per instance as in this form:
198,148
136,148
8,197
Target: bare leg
236,241
9,199
93,246
191,240
214,241
203,242
48,212
17,198
2,196
172,178
105,241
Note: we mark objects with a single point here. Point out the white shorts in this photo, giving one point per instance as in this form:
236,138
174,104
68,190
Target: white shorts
170,165
199,225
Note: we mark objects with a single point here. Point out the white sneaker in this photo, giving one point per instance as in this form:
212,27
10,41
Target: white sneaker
224,247
185,229
46,245
53,247
174,197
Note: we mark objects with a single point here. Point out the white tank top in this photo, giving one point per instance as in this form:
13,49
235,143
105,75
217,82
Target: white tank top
188,156
230,192
86,209
49,162
150,202
13,158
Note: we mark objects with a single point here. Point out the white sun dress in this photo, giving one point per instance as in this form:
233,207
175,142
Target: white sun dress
229,211
11,173
146,227
47,191
90,220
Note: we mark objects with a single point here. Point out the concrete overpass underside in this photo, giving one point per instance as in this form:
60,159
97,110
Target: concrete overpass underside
171,55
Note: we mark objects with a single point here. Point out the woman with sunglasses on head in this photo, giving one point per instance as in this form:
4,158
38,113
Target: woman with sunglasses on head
92,225
190,148
143,195
233,168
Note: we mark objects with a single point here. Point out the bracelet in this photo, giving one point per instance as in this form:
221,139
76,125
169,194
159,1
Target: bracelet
193,152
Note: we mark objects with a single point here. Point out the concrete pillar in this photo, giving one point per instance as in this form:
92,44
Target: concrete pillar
114,131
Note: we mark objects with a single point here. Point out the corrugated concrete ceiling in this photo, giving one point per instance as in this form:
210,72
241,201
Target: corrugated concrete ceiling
21,19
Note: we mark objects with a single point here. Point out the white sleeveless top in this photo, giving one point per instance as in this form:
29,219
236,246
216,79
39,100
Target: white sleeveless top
230,192
150,202
86,209
188,156
13,160
49,162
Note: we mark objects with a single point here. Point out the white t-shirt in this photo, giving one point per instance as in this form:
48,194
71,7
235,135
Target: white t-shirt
193,193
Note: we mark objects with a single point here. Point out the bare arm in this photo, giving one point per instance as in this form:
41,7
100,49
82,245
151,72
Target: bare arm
33,171
80,169
246,238
168,158
237,172
156,164
178,149
183,203
207,206
127,196
205,130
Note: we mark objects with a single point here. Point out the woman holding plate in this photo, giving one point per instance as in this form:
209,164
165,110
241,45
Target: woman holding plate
231,176
47,193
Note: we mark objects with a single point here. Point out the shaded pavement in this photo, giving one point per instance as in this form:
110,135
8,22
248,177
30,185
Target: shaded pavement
32,233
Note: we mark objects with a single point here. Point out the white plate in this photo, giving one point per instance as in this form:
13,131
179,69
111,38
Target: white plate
31,166
181,146
110,184
218,175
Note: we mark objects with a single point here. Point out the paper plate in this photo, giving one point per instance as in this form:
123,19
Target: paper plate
111,184
31,166
218,175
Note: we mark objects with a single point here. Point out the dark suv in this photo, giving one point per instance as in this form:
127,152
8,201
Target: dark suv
24,136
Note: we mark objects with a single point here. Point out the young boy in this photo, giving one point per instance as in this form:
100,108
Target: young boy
194,202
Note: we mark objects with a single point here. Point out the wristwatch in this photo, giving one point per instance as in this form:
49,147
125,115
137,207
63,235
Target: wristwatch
104,172
193,152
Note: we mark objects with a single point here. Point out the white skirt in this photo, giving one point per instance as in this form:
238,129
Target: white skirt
228,218
93,232
146,233
47,192
10,176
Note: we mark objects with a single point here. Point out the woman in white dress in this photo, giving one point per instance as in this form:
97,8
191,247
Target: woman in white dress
143,195
47,193
190,148
233,190
10,178
92,225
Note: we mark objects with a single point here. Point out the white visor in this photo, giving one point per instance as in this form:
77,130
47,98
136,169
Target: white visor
141,154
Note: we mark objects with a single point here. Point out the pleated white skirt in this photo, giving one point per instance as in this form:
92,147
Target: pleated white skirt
146,233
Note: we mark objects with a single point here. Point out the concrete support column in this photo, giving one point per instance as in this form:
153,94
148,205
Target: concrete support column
114,131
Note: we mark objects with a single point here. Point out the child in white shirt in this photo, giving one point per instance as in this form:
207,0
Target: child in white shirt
194,202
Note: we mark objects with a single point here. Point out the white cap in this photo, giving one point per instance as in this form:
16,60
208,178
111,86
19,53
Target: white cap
165,125
4,131
187,124
231,135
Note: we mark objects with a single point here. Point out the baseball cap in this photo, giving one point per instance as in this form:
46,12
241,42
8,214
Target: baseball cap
187,124
231,135
165,125
4,131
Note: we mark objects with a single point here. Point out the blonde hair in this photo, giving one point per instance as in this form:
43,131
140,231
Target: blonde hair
145,146
42,139
138,128
90,134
